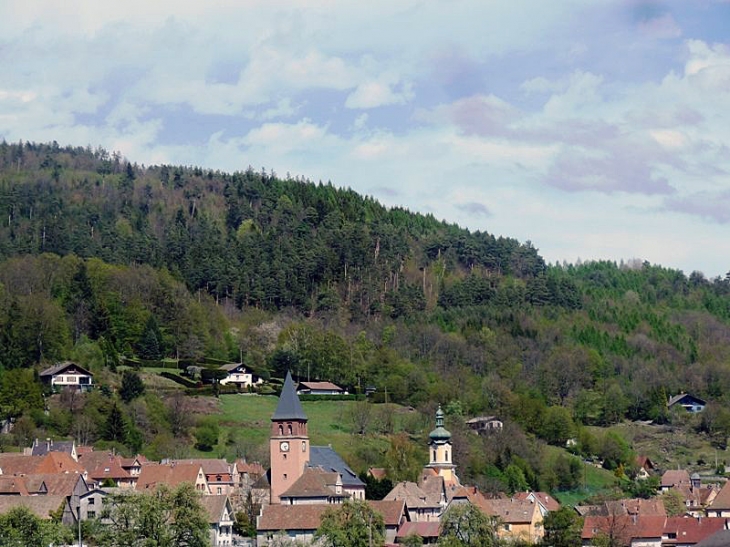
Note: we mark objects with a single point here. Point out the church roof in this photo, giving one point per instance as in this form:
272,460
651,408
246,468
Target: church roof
289,407
328,460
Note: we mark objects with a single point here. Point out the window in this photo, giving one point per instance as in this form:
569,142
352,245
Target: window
281,429
220,490
290,431
91,501
447,455
91,514
284,476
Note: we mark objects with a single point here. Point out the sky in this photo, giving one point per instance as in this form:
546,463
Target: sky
594,129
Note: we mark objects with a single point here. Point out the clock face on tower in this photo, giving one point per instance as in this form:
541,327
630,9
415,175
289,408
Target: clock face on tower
284,446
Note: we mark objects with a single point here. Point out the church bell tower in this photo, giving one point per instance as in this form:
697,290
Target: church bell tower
439,448
289,441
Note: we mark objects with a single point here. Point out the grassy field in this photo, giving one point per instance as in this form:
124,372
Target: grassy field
593,481
248,418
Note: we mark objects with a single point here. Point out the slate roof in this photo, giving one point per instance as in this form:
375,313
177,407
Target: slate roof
289,407
41,448
327,459
718,539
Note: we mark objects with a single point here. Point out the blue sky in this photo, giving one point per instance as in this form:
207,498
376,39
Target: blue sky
596,129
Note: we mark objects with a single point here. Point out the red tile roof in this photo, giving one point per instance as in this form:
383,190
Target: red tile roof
690,530
393,511
426,530
721,501
291,517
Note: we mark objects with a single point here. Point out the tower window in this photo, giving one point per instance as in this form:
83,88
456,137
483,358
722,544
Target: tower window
281,429
447,455
434,455
290,429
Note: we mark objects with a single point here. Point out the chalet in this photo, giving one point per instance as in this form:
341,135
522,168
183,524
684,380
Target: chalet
521,520
240,376
484,425
67,375
645,467
218,474
320,388
689,402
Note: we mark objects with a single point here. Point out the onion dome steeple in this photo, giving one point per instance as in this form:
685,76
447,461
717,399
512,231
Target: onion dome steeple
440,434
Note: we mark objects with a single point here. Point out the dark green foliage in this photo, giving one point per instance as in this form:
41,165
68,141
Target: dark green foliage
352,524
21,528
376,489
562,528
132,386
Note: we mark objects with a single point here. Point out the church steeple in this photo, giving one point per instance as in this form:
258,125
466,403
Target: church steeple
440,449
289,441
289,407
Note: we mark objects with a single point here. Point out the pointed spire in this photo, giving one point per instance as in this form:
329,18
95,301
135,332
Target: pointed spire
289,407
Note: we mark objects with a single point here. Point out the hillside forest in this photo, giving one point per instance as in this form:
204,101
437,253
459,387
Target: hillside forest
107,262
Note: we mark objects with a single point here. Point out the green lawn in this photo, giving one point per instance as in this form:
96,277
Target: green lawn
329,423
593,481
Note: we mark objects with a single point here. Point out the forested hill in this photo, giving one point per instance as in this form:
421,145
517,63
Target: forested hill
182,261
251,237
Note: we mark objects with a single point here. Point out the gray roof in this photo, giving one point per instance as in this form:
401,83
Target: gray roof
41,448
329,460
719,539
289,407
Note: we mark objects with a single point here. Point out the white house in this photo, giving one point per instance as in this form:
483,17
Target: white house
239,375
320,388
68,374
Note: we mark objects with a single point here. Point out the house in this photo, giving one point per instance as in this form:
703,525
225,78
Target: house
320,388
645,467
420,506
220,518
218,474
689,402
91,503
394,516
315,486
153,475
720,506
675,478
521,520
67,375
483,425
545,501
240,376
682,531
628,530
296,522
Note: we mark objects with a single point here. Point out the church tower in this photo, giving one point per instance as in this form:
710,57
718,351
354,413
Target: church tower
289,441
440,450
